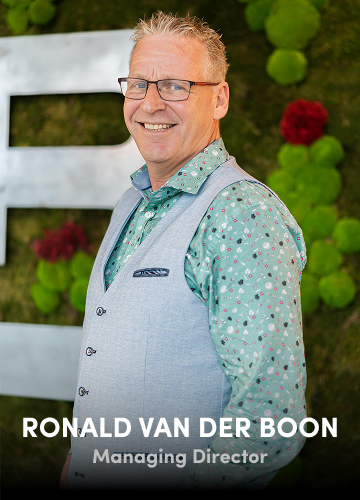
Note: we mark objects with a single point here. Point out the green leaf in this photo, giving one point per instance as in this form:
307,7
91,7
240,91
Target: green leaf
337,289
41,12
346,235
287,67
77,294
54,276
17,20
46,300
291,24
81,265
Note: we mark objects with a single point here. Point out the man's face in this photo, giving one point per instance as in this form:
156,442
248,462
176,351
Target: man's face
192,121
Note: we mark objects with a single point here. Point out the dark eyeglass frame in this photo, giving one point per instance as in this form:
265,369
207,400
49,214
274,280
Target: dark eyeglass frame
163,80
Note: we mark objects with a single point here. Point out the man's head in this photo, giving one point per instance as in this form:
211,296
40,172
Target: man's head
216,65
168,47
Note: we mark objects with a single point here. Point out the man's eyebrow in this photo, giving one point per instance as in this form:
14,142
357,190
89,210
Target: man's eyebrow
166,77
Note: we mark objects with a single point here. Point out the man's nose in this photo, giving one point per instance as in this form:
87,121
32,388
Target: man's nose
152,101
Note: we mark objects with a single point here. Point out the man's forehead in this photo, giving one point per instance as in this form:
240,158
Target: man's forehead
169,56
169,46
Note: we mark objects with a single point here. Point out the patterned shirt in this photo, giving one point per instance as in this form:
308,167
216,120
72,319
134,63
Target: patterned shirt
240,264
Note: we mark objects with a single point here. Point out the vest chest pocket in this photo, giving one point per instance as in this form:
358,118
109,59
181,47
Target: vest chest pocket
153,272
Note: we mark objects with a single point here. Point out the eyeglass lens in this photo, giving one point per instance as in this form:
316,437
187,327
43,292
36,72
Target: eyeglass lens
170,90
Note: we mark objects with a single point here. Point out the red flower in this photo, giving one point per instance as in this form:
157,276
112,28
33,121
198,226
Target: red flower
303,122
61,244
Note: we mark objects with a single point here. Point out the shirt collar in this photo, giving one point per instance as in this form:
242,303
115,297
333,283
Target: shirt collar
189,178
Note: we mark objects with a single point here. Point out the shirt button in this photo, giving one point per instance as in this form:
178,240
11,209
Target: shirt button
82,391
90,351
100,311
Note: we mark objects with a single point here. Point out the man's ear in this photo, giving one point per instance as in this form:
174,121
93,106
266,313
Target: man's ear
222,102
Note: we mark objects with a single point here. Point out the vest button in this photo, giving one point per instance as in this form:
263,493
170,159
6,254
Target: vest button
89,351
100,311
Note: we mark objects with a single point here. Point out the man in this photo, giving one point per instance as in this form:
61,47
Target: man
193,307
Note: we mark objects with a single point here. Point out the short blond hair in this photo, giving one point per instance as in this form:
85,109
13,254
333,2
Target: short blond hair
216,65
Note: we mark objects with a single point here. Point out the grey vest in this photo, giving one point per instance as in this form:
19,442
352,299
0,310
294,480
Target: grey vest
147,350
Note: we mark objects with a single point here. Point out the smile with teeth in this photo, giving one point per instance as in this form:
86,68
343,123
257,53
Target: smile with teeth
161,126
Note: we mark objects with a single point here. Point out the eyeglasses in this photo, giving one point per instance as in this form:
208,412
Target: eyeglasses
169,90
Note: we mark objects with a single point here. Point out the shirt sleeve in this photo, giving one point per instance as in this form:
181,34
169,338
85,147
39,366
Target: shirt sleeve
245,263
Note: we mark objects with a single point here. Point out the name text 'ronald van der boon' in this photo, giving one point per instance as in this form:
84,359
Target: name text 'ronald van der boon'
286,427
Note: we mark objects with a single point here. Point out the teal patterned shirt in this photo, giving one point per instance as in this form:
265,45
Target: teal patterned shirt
235,265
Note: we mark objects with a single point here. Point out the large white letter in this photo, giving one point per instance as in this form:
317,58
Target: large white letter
88,427
146,430
267,424
292,422
69,177
224,428
162,426
72,427
202,427
102,429
242,429
184,428
27,428
49,434
326,425
128,427
308,434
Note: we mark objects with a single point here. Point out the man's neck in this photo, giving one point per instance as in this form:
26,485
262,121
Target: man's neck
158,177
159,174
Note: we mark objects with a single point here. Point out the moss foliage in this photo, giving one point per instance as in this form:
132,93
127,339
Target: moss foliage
324,258
17,21
320,4
293,158
337,289
309,183
46,300
281,182
250,133
319,222
256,13
327,151
287,67
41,11
309,293
299,206
289,25
23,12
323,277
346,235
319,184
59,277
81,265
77,294
17,4
310,171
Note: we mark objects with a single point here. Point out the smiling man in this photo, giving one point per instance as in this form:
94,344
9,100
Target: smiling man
193,308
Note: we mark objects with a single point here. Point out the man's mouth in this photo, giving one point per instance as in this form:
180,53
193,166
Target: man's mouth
156,126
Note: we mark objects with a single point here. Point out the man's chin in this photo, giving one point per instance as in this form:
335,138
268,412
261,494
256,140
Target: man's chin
157,152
